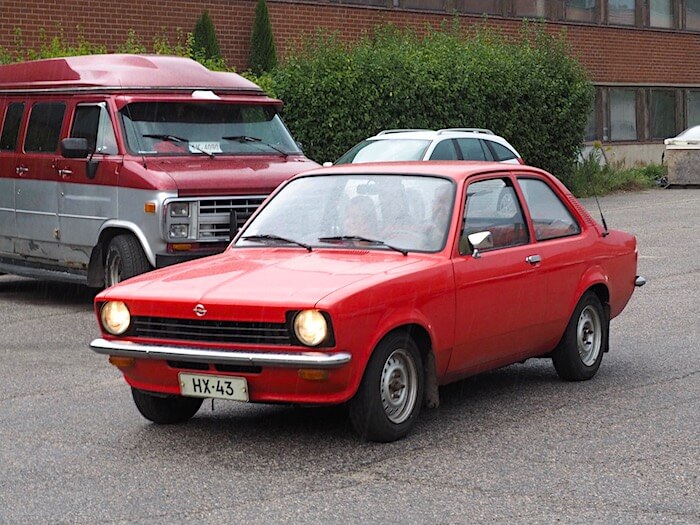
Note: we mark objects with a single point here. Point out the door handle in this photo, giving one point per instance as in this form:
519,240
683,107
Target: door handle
65,173
533,259
19,170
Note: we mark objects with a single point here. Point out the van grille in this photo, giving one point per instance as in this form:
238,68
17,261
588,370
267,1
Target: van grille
212,331
215,216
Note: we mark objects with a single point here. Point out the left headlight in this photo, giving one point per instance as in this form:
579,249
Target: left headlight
310,327
115,317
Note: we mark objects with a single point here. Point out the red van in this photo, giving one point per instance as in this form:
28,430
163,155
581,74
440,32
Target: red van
111,165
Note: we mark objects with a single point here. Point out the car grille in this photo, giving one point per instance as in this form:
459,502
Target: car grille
211,331
215,215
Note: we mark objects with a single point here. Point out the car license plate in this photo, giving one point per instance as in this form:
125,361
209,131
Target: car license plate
220,387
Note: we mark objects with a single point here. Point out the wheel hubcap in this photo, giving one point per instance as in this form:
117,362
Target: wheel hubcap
399,386
589,336
113,269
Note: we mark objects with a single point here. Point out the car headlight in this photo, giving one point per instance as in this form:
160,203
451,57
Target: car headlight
178,231
310,327
179,209
115,317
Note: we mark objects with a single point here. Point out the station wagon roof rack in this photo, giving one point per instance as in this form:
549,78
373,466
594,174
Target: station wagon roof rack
470,130
389,131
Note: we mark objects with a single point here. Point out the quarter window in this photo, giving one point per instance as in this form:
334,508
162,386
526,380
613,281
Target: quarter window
492,206
10,128
44,127
500,152
550,218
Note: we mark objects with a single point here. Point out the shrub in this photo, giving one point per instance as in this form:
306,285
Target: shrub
205,44
528,90
263,56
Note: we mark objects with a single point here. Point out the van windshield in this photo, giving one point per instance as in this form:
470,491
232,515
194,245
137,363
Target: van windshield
205,128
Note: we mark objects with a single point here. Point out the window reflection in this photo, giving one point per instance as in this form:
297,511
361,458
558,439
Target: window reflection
580,10
621,12
661,13
623,114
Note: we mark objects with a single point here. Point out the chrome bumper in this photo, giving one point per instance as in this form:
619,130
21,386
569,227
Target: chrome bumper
220,357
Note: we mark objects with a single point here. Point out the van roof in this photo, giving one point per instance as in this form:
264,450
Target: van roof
119,72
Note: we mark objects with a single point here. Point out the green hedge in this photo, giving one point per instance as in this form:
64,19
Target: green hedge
528,89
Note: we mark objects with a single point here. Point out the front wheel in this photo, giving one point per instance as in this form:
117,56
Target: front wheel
580,351
165,410
125,258
390,395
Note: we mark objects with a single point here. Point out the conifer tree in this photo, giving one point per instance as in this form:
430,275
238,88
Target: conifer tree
263,56
205,45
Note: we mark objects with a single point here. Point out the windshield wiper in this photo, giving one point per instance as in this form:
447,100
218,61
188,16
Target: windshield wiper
375,242
179,140
270,237
248,139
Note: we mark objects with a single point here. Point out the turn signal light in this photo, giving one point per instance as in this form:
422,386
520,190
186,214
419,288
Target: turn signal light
313,374
149,207
122,362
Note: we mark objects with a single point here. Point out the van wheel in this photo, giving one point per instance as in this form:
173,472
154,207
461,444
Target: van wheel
125,258
390,395
165,410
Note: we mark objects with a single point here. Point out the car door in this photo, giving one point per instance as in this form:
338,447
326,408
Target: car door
12,113
36,207
87,194
499,294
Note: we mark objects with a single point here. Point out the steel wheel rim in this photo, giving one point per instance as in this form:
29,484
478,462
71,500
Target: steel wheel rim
113,271
589,336
399,386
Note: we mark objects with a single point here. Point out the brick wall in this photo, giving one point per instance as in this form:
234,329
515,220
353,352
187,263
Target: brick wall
629,55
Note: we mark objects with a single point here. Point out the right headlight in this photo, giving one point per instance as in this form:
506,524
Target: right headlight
310,327
115,317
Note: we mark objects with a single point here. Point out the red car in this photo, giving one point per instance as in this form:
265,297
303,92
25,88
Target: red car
374,284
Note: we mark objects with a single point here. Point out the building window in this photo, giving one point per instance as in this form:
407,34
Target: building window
580,10
621,12
661,13
530,8
623,114
591,131
692,14
693,112
663,114
428,5
481,7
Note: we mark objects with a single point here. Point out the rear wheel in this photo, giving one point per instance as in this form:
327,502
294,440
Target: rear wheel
580,351
390,395
165,410
125,258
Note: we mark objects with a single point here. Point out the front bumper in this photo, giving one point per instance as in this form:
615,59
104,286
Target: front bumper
219,357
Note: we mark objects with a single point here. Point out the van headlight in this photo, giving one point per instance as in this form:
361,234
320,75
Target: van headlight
178,231
179,209
115,317
310,327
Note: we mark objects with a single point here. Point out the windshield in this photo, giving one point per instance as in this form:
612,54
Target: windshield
382,212
385,150
199,128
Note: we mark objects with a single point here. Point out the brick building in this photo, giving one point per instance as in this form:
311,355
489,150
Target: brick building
642,55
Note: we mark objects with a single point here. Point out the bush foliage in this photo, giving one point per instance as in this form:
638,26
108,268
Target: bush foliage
528,89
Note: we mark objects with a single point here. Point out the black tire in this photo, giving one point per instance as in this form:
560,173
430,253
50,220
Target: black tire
390,396
578,355
124,259
165,410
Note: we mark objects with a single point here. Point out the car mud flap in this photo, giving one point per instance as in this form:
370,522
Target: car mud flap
432,396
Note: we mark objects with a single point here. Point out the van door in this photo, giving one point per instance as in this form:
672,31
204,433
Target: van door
87,187
11,114
36,185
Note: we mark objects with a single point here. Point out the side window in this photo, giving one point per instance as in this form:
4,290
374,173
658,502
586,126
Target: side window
445,150
492,206
44,127
550,217
10,128
471,149
92,122
500,152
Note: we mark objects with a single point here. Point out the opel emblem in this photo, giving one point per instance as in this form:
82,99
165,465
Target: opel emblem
200,311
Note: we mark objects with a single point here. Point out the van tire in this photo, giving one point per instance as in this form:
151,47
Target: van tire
124,259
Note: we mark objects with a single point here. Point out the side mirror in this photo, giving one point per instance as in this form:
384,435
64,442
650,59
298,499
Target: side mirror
480,241
75,148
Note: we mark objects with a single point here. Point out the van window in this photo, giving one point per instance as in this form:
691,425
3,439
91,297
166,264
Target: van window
92,122
44,127
10,128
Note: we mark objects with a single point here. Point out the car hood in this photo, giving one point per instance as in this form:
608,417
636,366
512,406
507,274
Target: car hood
262,277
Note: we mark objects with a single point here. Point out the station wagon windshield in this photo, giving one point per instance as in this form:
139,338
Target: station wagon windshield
199,128
398,213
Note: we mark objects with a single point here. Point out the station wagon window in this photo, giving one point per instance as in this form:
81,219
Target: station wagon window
500,152
550,218
493,206
92,122
445,150
44,127
10,128
473,149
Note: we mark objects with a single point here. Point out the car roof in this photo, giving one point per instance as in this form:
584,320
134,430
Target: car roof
429,134
456,170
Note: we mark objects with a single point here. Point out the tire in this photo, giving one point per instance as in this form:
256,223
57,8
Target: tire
578,355
165,410
390,396
124,259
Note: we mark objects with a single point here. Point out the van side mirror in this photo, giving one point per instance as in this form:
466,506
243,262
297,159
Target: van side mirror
480,241
75,148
